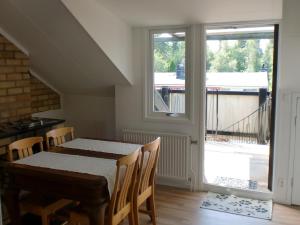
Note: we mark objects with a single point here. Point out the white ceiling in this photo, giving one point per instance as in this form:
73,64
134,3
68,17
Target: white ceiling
173,12
65,55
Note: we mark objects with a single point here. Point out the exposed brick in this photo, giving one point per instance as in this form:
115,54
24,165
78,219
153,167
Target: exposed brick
43,97
3,92
3,40
27,89
10,47
44,108
7,99
15,91
23,83
7,69
6,55
25,62
39,92
34,110
20,55
14,76
7,84
21,69
13,62
20,93
8,114
23,97
53,96
55,106
24,111
2,77
26,76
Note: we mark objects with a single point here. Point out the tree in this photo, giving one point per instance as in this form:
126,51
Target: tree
167,55
254,56
268,61
239,56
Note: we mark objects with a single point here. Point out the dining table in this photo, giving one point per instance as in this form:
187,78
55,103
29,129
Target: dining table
82,170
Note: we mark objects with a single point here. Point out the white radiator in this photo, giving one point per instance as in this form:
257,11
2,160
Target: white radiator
174,158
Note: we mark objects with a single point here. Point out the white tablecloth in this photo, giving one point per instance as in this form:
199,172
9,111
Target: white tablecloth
102,146
74,163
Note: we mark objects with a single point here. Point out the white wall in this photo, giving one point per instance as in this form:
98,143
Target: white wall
130,100
92,116
111,33
289,80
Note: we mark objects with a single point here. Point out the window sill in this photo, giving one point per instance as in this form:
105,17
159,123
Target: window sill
167,119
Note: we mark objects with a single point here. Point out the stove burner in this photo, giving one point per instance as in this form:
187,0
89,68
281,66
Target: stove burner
26,124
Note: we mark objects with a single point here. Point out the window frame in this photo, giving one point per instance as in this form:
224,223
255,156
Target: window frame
150,114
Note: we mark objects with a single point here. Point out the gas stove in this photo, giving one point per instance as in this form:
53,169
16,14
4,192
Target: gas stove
10,129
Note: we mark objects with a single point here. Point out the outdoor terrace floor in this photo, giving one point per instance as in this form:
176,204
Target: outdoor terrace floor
236,165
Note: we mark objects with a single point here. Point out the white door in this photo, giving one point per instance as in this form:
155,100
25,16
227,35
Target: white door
296,176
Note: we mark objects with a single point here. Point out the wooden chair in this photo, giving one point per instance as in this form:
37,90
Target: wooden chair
58,135
121,203
38,205
144,191
24,147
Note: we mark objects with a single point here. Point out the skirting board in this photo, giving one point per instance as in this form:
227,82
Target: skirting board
174,182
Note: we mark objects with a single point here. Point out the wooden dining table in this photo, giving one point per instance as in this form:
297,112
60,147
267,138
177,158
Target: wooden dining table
68,171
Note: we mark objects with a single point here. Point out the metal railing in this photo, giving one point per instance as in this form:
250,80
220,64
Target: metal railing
254,128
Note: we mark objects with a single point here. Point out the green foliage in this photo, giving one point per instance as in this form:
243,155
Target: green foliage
167,55
232,56
237,56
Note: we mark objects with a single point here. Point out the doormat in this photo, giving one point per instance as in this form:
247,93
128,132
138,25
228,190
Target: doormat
240,206
236,183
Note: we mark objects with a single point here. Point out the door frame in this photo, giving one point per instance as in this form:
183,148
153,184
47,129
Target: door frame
273,111
294,102
209,187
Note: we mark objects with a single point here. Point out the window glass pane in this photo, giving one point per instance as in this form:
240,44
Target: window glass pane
169,72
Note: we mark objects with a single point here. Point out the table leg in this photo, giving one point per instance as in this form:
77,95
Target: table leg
11,198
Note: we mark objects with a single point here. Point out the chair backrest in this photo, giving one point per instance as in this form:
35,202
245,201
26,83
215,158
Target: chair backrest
58,135
122,196
24,147
150,153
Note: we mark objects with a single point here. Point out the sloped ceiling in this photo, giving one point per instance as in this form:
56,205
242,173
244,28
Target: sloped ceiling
84,46
61,51
174,12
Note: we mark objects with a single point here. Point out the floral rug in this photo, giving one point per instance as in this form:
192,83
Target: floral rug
236,183
240,206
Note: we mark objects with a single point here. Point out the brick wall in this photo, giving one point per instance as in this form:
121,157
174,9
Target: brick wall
43,98
20,93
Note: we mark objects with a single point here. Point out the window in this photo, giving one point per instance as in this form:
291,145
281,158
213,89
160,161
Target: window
168,76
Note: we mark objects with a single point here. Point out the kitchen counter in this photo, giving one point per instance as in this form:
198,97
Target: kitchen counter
25,126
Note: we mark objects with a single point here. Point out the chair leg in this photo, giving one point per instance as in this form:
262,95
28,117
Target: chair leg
136,213
153,209
45,219
131,219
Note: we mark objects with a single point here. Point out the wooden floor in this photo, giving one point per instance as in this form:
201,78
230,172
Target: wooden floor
180,207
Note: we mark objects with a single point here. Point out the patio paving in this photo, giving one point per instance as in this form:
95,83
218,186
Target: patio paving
236,165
